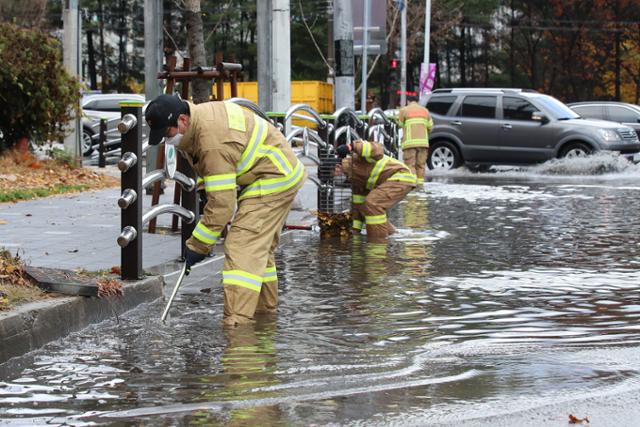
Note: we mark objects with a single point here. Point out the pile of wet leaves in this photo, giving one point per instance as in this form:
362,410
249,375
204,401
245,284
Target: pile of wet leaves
334,224
15,286
23,177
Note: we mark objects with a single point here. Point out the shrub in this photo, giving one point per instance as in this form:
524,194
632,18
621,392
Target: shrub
37,97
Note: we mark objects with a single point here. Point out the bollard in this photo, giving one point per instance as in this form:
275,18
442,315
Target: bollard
130,240
103,137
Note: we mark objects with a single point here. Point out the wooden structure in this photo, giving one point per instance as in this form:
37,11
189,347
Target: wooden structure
223,71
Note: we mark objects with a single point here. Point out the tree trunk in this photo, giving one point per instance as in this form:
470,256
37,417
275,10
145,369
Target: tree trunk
92,61
103,68
200,88
463,55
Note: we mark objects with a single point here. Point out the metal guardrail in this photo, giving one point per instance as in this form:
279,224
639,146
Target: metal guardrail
132,184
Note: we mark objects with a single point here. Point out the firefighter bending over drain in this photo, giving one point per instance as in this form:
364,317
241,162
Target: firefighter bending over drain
231,147
378,182
416,124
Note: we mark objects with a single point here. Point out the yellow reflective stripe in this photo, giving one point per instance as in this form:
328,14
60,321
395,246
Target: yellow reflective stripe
411,142
366,151
264,187
277,158
235,117
220,182
375,173
270,274
417,121
375,219
420,180
205,235
243,279
199,181
357,224
403,177
258,136
358,199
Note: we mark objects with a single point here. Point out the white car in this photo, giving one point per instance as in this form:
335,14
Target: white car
101,106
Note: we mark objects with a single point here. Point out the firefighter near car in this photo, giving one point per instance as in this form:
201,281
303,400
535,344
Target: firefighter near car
248,167
378,182
416,124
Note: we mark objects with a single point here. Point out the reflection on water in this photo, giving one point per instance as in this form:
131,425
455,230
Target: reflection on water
494,296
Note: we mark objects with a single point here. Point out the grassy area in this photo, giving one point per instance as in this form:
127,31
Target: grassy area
32,193
15,287
23,177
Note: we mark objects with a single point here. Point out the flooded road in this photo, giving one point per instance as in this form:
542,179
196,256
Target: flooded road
506,298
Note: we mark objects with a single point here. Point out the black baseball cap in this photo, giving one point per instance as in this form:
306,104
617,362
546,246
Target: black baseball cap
162,113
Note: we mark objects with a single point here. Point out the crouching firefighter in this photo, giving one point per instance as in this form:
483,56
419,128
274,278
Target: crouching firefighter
378,182
230,147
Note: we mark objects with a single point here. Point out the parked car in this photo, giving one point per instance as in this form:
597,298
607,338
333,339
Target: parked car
481,127
102,106
621,112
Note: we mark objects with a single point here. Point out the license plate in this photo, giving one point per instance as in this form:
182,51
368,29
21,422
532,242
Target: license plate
636,158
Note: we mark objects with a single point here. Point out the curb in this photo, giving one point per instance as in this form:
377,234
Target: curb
32,325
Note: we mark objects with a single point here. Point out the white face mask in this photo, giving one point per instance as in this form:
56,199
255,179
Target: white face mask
174,140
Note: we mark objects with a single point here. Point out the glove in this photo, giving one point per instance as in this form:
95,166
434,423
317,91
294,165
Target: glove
191,258
343,150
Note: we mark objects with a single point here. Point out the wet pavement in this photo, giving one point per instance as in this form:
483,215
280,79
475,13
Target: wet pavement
506,298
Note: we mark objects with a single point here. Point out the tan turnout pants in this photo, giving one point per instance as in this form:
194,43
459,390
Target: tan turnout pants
416,159
249,275
375,206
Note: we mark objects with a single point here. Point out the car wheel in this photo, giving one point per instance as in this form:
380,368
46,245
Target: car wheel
444,156
576,149
87,142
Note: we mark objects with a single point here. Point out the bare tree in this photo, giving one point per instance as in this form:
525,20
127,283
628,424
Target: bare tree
200,88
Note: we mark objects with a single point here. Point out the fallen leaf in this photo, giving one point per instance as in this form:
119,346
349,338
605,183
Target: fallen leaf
28,215
575,420
116,270
2,222
73,251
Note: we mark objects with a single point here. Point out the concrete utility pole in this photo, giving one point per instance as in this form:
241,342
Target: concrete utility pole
403,54
274,55
153,44
427,31
343,32
71,60
427,41
365,57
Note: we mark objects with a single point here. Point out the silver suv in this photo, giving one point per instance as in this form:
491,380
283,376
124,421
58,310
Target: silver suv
482,127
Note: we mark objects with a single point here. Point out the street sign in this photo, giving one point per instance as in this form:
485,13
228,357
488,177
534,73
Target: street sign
171,160
377,26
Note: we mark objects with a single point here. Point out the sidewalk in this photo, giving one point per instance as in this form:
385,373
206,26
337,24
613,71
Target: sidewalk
80,230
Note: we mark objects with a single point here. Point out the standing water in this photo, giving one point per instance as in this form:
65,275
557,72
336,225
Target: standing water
506,298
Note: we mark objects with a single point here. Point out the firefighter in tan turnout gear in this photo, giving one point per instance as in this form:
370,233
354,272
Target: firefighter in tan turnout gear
416,124
231,148
378,182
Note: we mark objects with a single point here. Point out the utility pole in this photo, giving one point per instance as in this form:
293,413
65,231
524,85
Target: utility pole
281,51
153,43
427,41
274,55
330,51
71,60
343,41
403,54
263,29
365,57
152,48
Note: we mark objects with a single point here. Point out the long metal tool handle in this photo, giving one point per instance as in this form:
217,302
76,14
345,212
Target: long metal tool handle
183,273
